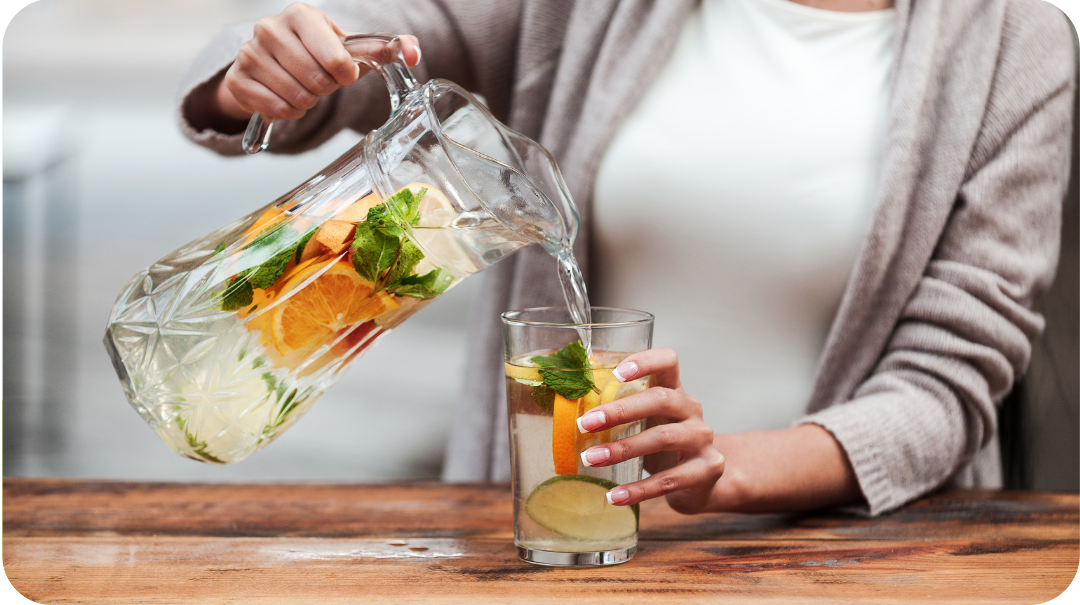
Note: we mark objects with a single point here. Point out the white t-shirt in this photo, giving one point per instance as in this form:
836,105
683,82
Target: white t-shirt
732,201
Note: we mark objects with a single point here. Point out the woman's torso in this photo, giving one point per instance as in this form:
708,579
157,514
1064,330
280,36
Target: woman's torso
732,200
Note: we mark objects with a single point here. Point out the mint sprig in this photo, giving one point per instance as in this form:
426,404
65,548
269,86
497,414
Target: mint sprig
566,372
384,256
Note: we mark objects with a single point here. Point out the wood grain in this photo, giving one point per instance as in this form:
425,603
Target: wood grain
69,541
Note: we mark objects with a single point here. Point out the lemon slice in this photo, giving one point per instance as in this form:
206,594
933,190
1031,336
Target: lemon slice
435,210
529,376
575,506
436,236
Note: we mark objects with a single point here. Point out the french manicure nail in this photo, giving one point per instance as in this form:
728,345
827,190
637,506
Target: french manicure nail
624,371
594,456
617,496
591,421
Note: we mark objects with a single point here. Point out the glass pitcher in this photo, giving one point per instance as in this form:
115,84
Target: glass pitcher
226,342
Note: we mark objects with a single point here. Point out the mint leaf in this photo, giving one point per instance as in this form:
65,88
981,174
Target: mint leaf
571,384
405,260
301,245
266,274
270,380
381,219
428,285
237,295
267,256
412,207
408,205
544,398
567,372
572,357
403,205
373,251
218,249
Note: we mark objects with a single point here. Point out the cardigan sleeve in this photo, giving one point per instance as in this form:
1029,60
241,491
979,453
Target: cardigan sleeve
965,334
469,42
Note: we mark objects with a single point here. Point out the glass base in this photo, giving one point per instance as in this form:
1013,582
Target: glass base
576,559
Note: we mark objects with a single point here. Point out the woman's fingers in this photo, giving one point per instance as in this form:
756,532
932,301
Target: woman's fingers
695,477
293,56
661,365
320,41
689,436
667,403
252,95
294,59
410,49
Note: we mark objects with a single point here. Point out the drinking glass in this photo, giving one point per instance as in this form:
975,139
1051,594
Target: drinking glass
561,513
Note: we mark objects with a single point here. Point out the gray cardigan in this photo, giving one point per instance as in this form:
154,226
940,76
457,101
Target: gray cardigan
935,324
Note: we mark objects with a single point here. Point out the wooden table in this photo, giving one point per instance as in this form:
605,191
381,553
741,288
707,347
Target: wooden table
78,541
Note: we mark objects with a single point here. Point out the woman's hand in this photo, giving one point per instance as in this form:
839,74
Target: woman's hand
294,59
678,445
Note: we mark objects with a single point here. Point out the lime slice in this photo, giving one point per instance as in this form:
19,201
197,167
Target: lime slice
575,506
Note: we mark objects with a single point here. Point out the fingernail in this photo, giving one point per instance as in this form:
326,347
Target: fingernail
617,496
596,455
624,371
418,54
591,421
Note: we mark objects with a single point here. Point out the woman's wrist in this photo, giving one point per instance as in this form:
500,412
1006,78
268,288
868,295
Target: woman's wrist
800,468
208,107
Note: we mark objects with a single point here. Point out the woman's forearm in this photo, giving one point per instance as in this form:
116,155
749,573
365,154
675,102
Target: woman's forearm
801,468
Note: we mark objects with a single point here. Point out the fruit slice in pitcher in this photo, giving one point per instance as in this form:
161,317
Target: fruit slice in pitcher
336,299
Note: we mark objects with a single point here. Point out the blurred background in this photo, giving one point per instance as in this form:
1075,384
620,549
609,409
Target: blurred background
99,183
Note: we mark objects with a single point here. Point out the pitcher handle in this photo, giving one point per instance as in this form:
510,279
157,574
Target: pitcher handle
380,52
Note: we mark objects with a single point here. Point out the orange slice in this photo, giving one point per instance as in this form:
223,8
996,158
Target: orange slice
335,300
564,432
296,274
262,320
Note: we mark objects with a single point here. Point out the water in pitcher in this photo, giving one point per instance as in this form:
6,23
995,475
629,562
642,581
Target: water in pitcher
252,324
